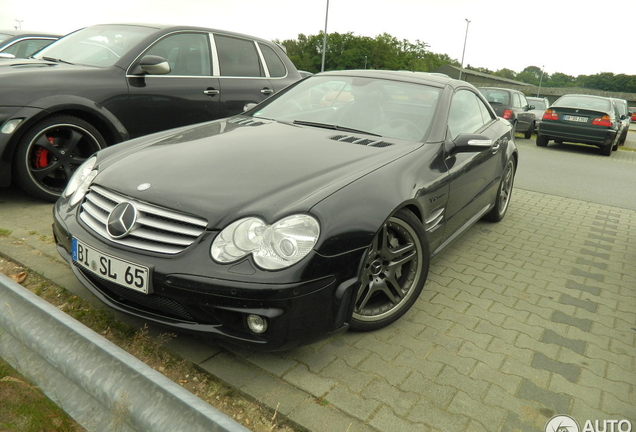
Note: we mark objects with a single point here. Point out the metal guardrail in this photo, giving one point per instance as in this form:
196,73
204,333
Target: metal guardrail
97,383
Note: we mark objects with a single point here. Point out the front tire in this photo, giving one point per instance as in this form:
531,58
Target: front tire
393,274
49,153
504,193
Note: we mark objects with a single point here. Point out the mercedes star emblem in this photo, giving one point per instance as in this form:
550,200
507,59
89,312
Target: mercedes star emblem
122,220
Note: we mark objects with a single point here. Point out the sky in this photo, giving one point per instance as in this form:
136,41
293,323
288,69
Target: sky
581,37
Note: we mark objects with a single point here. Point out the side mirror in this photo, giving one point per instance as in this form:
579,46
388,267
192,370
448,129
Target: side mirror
249,106
531,107
467,143
152,65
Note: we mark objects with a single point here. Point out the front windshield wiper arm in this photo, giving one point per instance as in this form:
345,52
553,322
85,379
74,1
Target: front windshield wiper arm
54,60
333,127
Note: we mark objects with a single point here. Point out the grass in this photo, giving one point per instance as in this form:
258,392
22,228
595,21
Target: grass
139,343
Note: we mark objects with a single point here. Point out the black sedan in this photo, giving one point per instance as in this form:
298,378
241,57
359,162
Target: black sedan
314,212
104,84
583,119
23,44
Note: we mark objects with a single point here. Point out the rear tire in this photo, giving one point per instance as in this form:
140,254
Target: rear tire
502,201
49,153
542,140
606,150
528,133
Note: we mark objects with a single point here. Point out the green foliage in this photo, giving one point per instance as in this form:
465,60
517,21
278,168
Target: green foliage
347,51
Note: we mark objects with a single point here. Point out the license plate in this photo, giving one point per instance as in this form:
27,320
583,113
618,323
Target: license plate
116,270
575,119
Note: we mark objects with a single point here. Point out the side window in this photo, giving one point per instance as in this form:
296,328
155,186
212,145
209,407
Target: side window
187,53
524,101
465,114
486,115
516,102
237,57
275,65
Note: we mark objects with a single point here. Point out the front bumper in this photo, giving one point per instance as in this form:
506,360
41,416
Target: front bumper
190,293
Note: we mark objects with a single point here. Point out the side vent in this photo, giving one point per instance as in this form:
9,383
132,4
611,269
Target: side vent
361,141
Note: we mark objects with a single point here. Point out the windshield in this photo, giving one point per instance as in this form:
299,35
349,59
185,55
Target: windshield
4,37
392,109
592,103
95,46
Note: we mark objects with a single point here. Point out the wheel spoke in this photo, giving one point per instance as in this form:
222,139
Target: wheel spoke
42,173
71,144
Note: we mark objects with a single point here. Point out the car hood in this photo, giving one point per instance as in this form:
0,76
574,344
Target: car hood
227,169
26,82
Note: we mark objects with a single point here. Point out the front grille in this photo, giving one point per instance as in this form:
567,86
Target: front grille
157,229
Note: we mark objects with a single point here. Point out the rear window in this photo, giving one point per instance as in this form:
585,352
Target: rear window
586,102
496,96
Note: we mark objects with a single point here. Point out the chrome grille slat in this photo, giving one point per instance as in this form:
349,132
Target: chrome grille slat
145,234
157,229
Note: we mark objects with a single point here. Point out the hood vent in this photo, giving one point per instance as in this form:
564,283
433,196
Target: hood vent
246,121
361,141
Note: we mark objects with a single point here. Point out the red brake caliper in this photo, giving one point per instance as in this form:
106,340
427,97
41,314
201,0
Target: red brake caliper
42,155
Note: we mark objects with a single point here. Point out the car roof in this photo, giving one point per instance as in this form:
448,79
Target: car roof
169,28
28,33
408,76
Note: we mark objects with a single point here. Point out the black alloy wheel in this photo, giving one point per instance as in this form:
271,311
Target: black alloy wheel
504,193
393,274
50,151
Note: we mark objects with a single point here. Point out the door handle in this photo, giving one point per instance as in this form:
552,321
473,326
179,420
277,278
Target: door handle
211,92
267,91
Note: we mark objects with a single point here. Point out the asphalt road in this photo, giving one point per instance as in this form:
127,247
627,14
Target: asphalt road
579,172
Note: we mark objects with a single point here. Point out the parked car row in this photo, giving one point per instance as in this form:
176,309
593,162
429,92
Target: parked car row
593,120
104,84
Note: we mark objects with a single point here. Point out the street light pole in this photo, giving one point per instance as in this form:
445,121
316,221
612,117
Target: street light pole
540,79
324,39
19,27
464,51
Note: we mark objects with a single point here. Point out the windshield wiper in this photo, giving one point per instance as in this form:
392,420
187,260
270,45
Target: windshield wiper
333,127
54,60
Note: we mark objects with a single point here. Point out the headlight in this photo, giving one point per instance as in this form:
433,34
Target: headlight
273,246
80,181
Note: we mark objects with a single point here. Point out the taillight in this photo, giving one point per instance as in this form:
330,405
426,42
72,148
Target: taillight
550,115
602,121
507,114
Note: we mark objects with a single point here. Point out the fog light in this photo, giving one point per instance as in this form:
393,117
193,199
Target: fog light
257,323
